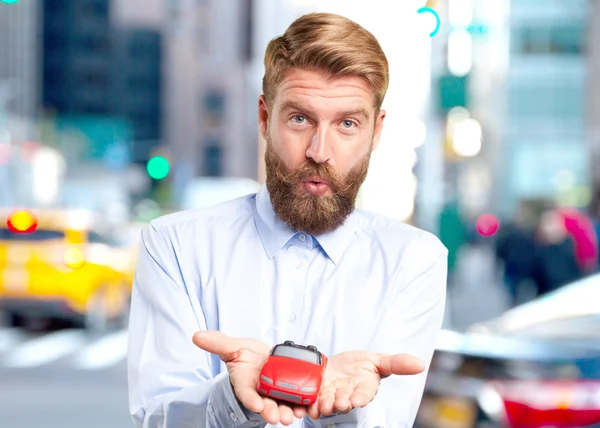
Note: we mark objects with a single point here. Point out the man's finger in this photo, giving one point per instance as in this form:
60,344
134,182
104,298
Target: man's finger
399,364
327,399
250,398
217,343
342,399
286,414
300,412
313,411
270,412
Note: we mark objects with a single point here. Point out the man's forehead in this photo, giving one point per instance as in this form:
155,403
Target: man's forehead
314,89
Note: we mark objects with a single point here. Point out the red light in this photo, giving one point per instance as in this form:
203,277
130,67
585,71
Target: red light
22,222
487,225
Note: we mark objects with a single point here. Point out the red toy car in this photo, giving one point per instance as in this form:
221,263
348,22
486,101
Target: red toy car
293,373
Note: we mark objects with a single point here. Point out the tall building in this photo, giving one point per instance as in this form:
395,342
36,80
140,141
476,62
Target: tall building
102,78
136,92
209,121
545,141
77,56
593,82
20,57
19,96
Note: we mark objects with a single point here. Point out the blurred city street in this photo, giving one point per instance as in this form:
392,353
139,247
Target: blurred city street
62,379
116,112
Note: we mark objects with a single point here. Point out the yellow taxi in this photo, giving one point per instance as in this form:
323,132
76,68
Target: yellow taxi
63,264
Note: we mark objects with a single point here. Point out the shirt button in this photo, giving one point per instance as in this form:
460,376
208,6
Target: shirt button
331,426
302,238
233,416
292,318
299,265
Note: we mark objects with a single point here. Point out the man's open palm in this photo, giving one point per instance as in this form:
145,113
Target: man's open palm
352,379
244,359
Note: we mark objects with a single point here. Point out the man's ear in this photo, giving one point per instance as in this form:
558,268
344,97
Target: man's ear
378,128
263,116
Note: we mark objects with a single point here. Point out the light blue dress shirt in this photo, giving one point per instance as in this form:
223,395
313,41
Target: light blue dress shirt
372,284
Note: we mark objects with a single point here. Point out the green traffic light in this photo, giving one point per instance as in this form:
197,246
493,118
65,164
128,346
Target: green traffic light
158,167
9,1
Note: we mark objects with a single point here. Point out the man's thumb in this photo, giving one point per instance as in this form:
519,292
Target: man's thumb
399,364
215,342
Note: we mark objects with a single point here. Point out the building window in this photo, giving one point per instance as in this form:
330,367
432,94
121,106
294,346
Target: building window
559,102
93,8
94,78
93,44
562,39
213,160
54,42
138,83
54,77
214,104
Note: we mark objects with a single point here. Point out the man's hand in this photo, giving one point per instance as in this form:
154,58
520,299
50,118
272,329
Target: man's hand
245,359
352,379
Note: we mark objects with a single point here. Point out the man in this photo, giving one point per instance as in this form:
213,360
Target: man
294,262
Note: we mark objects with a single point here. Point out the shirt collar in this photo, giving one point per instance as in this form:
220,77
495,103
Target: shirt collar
274,233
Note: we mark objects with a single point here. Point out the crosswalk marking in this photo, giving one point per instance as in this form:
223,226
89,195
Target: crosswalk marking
103,353
9,338
45,349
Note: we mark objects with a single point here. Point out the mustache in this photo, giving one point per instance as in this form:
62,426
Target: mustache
311,169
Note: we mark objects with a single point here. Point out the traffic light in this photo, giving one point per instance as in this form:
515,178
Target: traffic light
158,167
9,1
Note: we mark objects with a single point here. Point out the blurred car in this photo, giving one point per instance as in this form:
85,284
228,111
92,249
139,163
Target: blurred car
63,264
537,365
293,373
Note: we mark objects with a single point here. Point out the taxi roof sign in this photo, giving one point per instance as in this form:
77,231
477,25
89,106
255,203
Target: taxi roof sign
21,221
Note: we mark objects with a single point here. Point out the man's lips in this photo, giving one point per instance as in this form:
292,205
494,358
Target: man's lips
316,186
318,180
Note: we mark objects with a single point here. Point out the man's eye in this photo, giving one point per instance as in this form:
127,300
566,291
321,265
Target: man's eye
348,124
299,119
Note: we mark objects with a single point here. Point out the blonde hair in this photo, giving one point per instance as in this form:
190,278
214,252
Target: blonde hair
330,43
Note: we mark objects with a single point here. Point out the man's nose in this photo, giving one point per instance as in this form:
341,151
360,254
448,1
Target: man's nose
319,149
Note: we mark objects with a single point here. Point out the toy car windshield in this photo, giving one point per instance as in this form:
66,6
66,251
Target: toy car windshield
298,353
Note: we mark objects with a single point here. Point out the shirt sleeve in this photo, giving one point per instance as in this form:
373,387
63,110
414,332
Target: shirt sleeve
411,324
172,383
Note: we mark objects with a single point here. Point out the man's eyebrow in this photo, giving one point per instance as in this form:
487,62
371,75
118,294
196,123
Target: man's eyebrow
292,105
359,111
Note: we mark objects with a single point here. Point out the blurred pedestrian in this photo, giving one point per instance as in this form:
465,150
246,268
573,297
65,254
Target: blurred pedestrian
295,261
555,259
515,249
595,217
582,230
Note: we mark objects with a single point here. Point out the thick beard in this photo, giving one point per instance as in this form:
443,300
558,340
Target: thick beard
315,215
